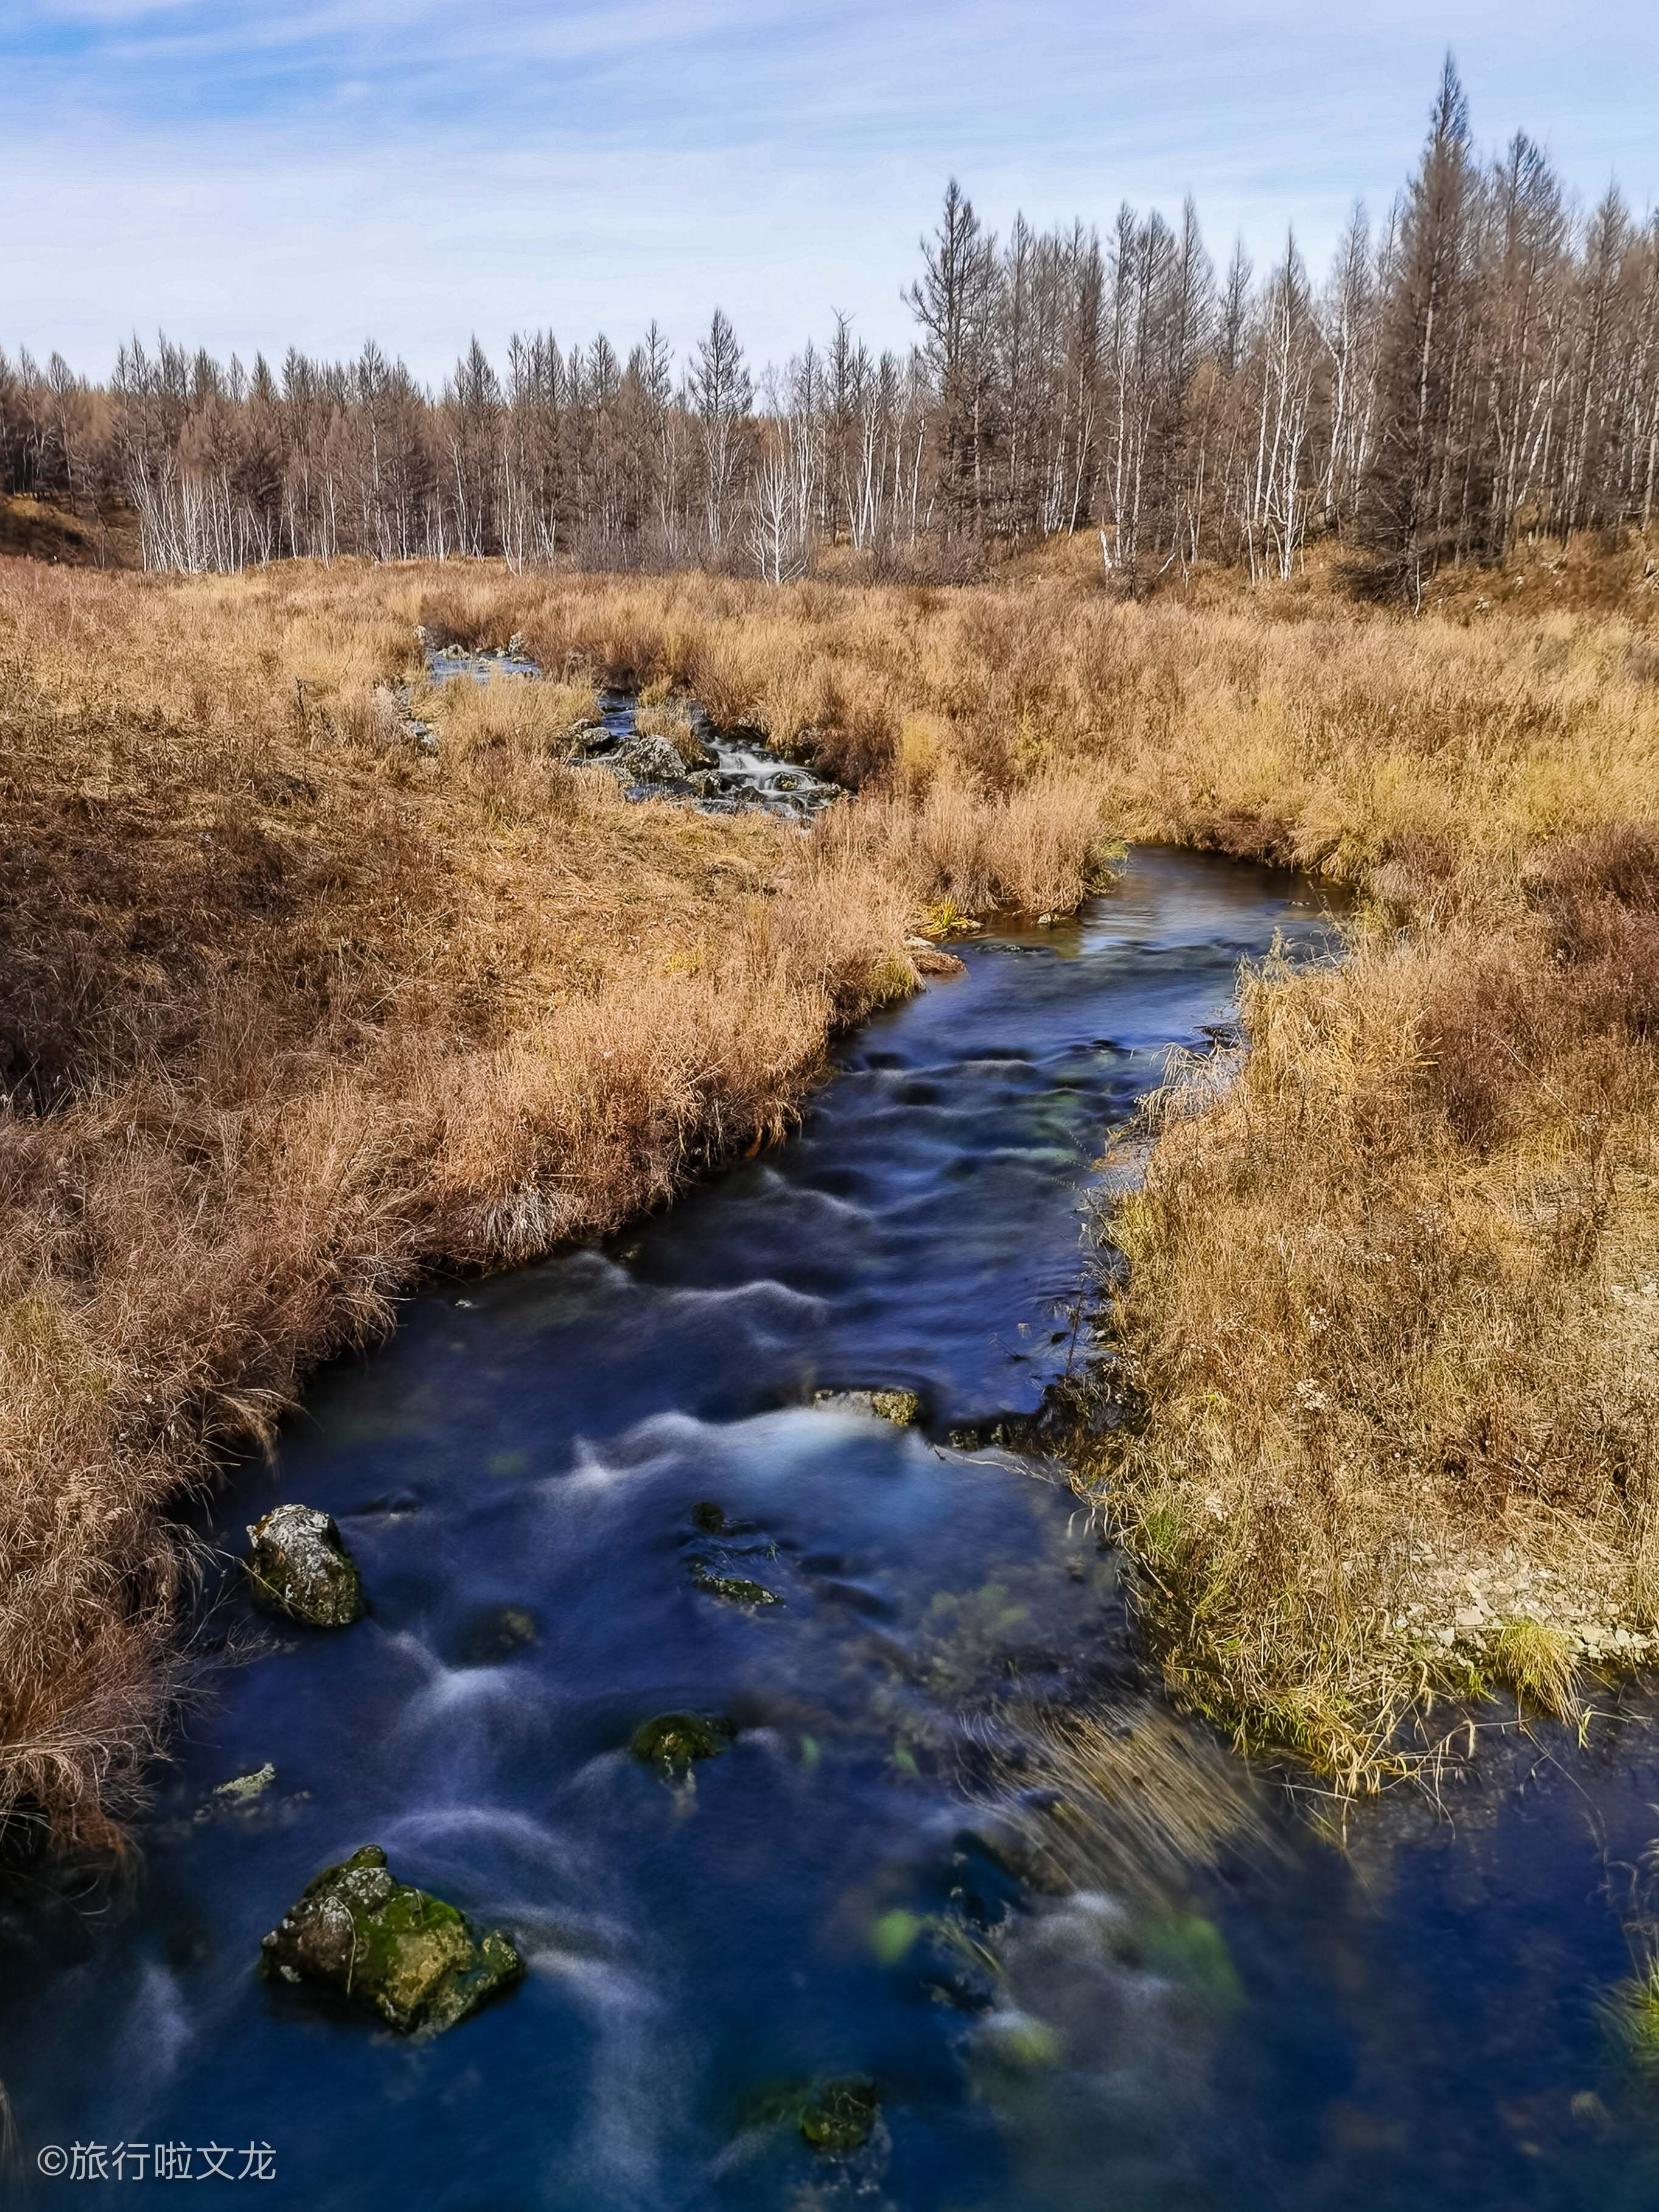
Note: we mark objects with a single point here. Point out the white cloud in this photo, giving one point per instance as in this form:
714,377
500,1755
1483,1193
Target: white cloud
260,173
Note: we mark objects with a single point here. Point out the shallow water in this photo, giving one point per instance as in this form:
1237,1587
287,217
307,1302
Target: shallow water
1220,2012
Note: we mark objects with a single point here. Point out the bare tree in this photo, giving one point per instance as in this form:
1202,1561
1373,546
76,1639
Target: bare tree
721,394
1484,364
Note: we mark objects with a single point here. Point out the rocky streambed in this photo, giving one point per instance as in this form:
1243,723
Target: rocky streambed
716,770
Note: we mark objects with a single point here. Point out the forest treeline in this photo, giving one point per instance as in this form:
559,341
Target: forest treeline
1482,363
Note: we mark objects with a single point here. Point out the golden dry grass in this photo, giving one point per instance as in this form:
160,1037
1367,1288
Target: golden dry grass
1374,1310
292,1011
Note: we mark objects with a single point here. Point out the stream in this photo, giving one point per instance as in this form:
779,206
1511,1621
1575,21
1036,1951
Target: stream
1079,1963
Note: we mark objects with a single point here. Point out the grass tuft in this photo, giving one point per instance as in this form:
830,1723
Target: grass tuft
1631,2012
1537,1663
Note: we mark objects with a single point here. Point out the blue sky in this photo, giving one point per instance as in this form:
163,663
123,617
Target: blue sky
248,175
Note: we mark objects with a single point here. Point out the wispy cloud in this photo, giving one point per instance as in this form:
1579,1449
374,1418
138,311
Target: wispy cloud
249,173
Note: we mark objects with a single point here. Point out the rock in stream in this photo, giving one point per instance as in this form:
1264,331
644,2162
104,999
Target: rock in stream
389,1947
901,1407
299,1568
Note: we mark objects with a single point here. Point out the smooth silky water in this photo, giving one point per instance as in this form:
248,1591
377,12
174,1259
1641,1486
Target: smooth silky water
1220,2011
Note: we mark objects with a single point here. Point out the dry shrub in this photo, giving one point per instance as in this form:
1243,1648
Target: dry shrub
1537,1663
531,721
1037,848
1438,753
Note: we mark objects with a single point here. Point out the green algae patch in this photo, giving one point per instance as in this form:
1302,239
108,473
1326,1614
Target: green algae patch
674,1740
1192,1949
1022,2042
389,1948
893,1936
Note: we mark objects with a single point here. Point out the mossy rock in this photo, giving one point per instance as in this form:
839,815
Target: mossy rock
299,1568
839,2117
736,1590
390,1948
675,1740
901,1407
647,759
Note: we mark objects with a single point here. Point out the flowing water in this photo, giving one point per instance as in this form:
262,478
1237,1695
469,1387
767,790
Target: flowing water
1081,1968
746,772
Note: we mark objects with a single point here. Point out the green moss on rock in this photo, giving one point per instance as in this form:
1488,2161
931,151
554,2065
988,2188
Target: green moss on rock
674,1740
901,1407
393,1949
839,2117
736,1590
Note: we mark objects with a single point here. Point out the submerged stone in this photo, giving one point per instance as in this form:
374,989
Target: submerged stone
495,1634
390,1948
737,1589
1193,1950
840,2116
709,1517
674,1740
1021,2041
893,1935
299,1568
901,1407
